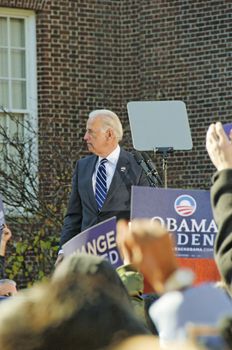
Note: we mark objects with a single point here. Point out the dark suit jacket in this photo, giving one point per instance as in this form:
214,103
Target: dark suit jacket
82,208
221,200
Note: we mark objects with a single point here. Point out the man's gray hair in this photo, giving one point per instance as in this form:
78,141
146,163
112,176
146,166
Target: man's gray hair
110,120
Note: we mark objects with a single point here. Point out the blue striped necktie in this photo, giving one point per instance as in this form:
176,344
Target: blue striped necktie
101,188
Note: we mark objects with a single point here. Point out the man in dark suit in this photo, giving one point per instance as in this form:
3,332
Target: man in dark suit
103,134
219,147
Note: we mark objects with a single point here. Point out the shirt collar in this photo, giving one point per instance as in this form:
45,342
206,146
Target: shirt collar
113,156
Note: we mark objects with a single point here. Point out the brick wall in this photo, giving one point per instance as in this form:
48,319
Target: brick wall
25,4
181,50
105,53
79,67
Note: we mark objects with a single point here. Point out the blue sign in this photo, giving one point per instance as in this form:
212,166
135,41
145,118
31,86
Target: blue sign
97,240
187,215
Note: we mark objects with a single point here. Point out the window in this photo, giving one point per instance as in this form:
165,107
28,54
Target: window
13,62
18,95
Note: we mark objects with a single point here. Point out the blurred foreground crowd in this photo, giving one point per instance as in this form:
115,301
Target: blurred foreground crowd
87,305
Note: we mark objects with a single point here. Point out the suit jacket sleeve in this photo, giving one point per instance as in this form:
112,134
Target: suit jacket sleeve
221,200
73,217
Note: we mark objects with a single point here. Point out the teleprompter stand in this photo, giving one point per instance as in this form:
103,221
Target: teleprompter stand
164,151
161,127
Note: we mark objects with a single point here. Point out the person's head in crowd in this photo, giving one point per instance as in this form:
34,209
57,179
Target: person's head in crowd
66,313
82,265
149,247
7,288
103,132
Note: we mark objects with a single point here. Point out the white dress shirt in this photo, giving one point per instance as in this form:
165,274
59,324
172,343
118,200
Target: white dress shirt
110,167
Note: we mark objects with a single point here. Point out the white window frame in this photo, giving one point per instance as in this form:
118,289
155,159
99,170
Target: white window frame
30,112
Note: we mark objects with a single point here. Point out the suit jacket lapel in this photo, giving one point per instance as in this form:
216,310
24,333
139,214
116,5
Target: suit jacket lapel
89,175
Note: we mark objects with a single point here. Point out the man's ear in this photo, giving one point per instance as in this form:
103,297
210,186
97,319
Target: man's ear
110,133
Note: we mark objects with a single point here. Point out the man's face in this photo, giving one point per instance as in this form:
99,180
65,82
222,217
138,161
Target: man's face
97,139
